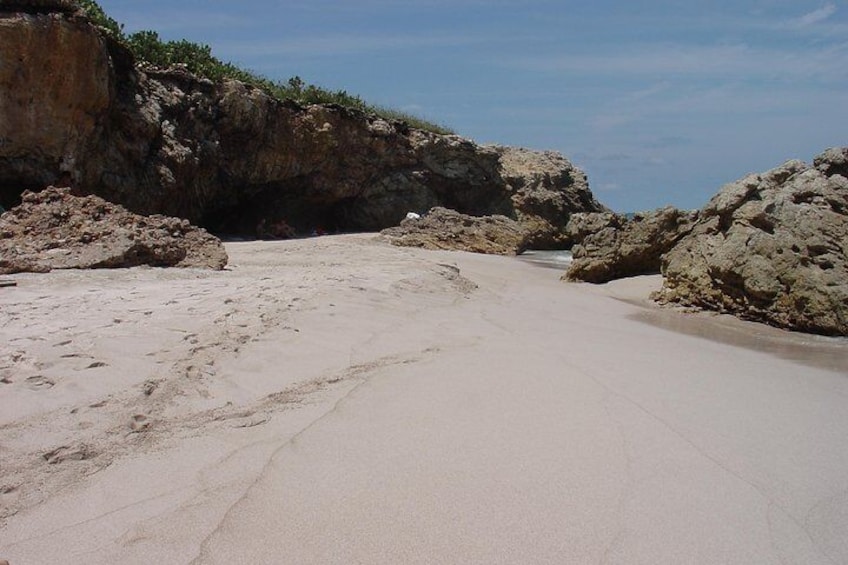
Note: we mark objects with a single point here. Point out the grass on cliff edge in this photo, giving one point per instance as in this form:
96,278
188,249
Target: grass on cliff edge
197,58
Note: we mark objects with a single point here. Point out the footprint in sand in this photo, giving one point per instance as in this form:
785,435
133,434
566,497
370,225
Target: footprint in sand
16,364
140,423
39,382
68,453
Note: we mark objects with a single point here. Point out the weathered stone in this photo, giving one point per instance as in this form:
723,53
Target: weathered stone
771,247
546,189
57,84
446,229
584,224
53,229
227,156
624,248
833,161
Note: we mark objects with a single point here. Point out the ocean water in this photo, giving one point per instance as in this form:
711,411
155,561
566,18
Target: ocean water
558,259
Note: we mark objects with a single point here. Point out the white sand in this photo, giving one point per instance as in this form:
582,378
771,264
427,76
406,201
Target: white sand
337,400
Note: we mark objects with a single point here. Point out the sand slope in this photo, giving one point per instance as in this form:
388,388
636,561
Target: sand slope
337,400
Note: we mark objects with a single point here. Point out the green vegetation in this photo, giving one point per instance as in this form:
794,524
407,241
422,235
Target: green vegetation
93,10
148,47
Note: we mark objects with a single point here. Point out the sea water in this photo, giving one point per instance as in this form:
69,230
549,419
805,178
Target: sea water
557,259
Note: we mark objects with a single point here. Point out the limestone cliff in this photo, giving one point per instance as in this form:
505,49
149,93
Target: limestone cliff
75,109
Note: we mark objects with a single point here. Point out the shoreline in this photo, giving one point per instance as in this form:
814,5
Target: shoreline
812,350
424,406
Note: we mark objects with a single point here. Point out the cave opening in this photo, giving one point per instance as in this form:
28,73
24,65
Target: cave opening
274,214
11,192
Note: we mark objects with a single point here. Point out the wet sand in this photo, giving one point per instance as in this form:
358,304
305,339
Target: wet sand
336,400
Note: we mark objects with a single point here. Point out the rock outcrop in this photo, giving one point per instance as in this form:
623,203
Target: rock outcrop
53,229
771,247
447,229
546,189
613,247
226,155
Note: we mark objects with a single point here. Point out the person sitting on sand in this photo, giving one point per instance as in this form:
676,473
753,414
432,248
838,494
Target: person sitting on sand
282,230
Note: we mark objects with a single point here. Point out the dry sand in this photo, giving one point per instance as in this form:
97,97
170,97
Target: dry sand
337,400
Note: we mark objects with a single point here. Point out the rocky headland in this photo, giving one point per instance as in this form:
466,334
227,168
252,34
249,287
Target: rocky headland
770,247
226,156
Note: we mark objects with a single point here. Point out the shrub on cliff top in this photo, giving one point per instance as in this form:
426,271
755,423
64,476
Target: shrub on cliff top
96,14
198,59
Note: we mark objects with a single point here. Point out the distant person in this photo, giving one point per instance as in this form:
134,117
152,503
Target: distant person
282,230
262,229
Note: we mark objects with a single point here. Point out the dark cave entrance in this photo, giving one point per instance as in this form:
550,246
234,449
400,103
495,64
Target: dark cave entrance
12,190
268,213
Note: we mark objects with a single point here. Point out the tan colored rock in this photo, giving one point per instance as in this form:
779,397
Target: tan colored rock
545,189
53,229
583,224
446,229
624,248
771,247
57,84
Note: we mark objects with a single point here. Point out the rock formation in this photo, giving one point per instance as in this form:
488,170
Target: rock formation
613,247
771,247
53,229
226,155
545,190
446,229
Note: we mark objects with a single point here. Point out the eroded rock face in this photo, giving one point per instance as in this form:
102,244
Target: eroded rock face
771,247
613,247
56,82
227,156
447,229
545,189
53,229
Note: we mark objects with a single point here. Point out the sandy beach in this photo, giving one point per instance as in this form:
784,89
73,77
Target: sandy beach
339,400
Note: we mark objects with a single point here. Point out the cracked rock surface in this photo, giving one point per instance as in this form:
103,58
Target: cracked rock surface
771,247
53,229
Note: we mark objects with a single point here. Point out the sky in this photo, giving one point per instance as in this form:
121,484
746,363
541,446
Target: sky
659,102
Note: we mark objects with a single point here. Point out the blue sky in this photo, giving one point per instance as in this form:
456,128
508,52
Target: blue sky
659,102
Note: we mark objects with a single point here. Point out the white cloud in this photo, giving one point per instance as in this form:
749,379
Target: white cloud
817,16
736,61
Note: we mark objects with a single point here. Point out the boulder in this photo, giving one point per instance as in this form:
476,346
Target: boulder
447,229
53,229
545,189
613,247
771,247
228,156
584,224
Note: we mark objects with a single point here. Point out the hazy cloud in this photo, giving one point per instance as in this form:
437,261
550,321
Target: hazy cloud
817,16
737,60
